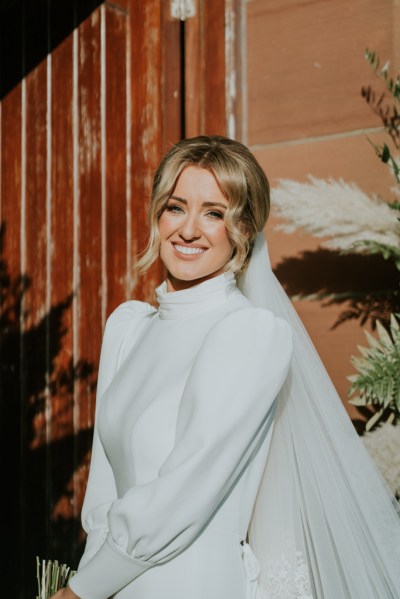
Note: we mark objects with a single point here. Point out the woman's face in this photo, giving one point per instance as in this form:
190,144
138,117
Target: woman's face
194,240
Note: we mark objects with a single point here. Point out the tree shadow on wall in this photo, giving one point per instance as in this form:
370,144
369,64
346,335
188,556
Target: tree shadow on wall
367,287
42,452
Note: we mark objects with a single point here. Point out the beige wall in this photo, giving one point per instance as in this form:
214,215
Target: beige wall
305,115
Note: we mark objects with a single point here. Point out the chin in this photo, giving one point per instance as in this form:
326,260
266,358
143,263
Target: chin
181,275
189,276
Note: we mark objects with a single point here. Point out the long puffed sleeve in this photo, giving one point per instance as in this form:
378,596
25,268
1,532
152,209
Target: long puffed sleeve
122,327
228,400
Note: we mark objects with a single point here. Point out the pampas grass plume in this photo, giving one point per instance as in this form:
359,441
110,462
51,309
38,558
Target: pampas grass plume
335,209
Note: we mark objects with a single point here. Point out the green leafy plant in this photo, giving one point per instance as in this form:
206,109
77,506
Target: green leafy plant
389,114
51,577
378,378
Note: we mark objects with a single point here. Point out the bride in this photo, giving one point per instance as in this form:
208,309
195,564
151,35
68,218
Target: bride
224,465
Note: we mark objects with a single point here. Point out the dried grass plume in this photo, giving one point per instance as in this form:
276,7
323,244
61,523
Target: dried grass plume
335,209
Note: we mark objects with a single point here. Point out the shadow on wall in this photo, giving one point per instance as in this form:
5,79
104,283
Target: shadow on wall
31,29
42,451
366,286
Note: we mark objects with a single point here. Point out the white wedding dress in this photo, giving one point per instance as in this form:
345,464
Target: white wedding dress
185,410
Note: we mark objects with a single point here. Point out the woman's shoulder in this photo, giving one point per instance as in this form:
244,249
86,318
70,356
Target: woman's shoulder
128,311
247,344
244,314
253,320
248,329
123,328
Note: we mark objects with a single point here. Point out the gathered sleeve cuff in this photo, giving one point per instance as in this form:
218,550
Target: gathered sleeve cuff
226,410
113,565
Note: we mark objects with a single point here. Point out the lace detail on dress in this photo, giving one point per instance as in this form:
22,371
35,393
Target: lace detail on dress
284,579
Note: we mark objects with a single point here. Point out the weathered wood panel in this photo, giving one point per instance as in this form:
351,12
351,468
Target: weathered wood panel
145,77
172,79
205,70
89,222
115,157
63,371
34,332
92,96
212,35
194,116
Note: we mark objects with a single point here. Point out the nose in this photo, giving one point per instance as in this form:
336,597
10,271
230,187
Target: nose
189,228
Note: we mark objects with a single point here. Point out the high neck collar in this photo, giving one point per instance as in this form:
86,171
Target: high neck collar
197,299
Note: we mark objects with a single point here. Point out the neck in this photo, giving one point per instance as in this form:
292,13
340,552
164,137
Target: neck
200,297
174,284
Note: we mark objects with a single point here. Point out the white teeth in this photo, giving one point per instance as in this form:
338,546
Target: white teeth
185,250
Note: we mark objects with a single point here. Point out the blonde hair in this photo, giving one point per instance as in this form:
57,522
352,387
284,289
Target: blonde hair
241,179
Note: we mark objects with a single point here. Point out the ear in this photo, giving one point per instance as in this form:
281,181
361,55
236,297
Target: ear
244,230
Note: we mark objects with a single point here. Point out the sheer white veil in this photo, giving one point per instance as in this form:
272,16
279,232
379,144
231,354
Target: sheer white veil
325,524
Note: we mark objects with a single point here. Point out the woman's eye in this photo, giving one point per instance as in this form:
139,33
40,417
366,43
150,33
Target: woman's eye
215,214
174,208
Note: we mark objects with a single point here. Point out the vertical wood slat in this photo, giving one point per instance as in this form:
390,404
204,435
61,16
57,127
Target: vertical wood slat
172,78
34,263
205,70
214,90
145,25
235,54
34,356
194,114
89,224
115,157
62,371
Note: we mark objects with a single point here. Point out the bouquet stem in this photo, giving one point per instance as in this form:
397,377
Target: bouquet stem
51,576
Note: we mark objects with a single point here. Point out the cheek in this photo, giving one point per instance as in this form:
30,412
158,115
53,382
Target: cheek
164,225
221,237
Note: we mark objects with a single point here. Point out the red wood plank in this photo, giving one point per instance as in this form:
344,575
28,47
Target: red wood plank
194,112
121,5
205,72
116,148
35,350
146,128
64,525
171,79
213,41
234,62
35,255
88,325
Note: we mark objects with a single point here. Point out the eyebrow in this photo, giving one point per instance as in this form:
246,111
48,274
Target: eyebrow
203,204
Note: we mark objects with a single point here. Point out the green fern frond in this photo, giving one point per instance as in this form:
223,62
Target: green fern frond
378,378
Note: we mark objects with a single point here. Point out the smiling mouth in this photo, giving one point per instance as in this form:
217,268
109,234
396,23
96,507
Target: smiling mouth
188,250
